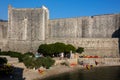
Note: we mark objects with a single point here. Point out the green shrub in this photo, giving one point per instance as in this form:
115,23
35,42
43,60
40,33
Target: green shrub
31,62
29,54
3,60
80,50
38,62
16,55
4,53
47,62
13,54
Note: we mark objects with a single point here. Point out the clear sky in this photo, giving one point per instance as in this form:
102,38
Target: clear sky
64,8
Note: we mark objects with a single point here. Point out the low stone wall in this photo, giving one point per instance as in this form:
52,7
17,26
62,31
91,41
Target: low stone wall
91,61
101,61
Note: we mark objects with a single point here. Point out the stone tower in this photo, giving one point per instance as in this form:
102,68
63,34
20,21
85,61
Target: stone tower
27,28
27,24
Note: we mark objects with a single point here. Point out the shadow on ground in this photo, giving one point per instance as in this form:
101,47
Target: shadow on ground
17,75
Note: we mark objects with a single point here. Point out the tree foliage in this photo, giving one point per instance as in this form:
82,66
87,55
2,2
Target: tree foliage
80,50
3,60
55,48
29,54
69,48
32,62
29,59
12,54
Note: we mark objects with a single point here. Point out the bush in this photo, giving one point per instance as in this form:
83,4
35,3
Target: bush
80,50
31,62
13,54
47,62
4,53
38,62
3,60
29,54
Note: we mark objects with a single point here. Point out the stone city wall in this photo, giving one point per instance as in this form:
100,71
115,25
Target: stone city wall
24,46
28,28
3,29
3,34
102,26
93,46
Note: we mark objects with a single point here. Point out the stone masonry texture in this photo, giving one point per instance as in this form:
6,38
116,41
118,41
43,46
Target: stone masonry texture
27,28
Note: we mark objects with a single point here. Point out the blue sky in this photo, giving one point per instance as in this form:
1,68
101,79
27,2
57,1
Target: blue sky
64,8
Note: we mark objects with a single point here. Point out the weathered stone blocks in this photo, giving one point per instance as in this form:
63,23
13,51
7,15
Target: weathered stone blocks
27,28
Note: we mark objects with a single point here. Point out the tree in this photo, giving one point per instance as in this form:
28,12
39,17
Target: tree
80,50
50,49
43,48
59,48
55,48
69,48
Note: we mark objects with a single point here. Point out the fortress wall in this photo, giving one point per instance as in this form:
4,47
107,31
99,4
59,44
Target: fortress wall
24,46
27,24
103,26
3,34
28,28
63,28
3,30
93,46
